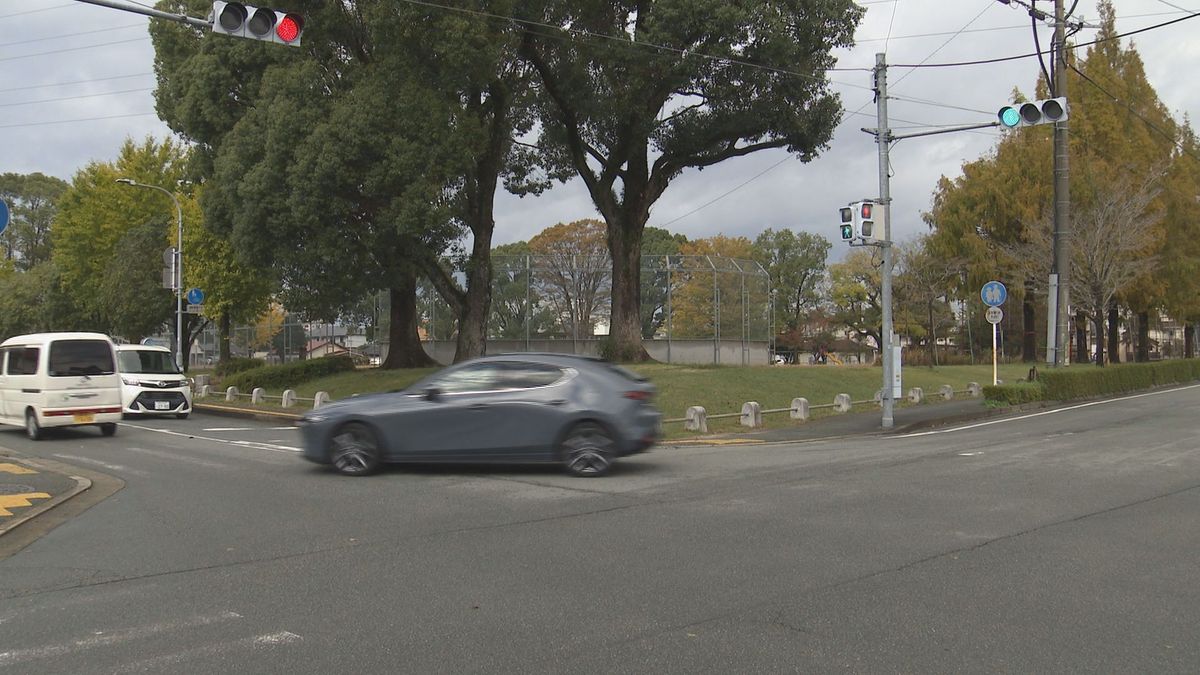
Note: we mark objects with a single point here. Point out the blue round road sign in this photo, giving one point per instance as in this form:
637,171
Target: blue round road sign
195,296
3,215
994,294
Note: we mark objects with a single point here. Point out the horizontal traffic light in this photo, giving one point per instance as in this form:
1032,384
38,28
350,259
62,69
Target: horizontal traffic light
1028,114
257,23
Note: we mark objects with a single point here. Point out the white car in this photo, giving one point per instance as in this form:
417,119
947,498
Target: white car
152,383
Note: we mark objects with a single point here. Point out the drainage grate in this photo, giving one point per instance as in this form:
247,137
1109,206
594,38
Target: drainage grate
15,489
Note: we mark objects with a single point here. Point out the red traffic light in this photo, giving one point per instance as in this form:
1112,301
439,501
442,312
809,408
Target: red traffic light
289,27
866,210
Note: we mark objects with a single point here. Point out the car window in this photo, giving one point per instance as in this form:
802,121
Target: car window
528,375
80,357
146,361
475,377
23,360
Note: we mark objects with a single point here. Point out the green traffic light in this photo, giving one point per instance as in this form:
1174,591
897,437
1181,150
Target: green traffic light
1010,117
847,232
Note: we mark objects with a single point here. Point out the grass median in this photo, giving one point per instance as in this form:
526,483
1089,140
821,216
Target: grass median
720,389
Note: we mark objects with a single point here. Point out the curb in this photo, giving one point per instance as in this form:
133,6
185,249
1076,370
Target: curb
38,508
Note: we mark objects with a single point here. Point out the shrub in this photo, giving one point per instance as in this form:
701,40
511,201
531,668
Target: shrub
1086,381
290,374
237,365
1014,394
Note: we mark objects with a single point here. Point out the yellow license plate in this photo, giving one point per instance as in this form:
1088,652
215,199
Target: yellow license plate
85,418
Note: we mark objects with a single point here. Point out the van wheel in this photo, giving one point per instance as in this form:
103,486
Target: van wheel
32,429
108,429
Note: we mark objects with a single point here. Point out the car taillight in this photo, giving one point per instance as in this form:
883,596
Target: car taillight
638,395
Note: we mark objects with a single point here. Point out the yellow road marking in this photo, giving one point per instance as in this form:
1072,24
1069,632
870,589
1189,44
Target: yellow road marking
14,468
10,501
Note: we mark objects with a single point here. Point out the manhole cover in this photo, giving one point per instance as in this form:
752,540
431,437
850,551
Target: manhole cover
15,489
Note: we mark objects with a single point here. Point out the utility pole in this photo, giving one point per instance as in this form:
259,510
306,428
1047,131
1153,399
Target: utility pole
883,137
1060,272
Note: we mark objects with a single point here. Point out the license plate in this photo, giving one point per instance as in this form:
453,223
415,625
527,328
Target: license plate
162,405
84,418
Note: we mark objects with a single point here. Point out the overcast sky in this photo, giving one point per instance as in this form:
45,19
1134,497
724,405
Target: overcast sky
77,79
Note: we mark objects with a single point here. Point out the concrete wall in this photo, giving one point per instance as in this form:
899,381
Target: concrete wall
696,352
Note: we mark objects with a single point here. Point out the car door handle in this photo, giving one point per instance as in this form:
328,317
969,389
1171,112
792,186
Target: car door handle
557,401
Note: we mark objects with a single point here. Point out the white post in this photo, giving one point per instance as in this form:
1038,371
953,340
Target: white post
995,329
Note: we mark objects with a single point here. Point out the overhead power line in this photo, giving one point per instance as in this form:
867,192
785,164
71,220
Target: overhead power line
74,49
83,119
1034,54
74,82
73,98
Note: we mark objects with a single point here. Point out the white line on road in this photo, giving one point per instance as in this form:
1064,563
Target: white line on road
246,444
1046,412
250,428
101,639
106,465
180,458
157,663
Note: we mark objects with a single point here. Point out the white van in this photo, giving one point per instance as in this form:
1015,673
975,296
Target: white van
58,380
152,383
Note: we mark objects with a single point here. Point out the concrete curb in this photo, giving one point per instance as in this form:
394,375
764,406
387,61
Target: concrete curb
39,507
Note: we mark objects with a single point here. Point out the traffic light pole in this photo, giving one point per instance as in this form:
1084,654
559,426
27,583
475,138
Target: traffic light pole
883,137
147,11
1060,273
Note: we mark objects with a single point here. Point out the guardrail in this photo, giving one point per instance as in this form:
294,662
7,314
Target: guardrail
696,417
287,399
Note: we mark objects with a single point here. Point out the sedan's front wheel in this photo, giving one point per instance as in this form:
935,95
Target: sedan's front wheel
355,450
588,450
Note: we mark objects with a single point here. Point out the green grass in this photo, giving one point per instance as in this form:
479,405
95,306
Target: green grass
720,389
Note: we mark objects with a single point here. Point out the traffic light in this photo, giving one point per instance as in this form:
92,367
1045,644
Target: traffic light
866,220
257,23
848,233
1028,114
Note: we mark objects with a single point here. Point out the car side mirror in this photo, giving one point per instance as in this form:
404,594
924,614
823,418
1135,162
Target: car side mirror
432,394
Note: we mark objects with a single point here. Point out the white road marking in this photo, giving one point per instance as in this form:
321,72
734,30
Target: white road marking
101,639
157,663
180,458
106,465
249,428
969,454
246,444
1046,412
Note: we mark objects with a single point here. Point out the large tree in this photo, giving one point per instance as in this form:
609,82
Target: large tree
635,93
32,201
572,274
796,263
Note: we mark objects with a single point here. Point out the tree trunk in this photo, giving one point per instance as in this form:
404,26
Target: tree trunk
1098,322
1189,340
473,317
1029,324
224,327
1114,333
1081,346
404,342
625,246
1142,349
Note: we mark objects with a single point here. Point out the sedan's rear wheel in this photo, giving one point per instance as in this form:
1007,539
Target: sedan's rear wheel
588,450
355,450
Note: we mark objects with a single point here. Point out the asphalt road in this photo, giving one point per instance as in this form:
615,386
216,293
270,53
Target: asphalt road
1053,542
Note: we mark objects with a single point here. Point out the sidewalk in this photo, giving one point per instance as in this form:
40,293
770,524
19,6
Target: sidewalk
29,487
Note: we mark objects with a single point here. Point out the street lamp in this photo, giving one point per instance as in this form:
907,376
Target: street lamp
177,282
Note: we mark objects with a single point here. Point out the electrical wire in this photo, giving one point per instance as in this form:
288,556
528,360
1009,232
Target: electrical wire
67,35
66,84
73,49
74,98
943,45
1026,56
35,11
891,22
84,119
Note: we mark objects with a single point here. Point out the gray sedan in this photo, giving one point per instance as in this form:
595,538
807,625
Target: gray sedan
514,408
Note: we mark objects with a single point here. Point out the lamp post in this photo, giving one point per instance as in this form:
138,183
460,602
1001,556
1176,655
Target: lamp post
177,282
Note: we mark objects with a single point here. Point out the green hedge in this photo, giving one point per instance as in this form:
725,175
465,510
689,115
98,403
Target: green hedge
1014,394
288,375
237,365
1087,381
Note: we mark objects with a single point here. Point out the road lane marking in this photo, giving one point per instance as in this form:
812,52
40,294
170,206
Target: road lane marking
106,465
179,458
102,639
247,444
249,428
157,663
8,467
1045,412
22,500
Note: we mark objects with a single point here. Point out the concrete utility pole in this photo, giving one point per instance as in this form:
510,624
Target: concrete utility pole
883,137
1060,273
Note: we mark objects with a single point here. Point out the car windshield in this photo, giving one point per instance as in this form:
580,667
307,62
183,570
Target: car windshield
147,361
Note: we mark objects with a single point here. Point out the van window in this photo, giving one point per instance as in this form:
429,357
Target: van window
146,361
80,357
22,360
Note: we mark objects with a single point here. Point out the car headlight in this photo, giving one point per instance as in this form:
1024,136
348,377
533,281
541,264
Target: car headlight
312,418
129,381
